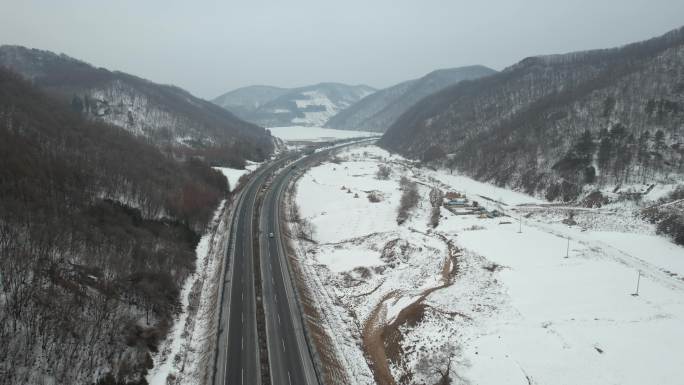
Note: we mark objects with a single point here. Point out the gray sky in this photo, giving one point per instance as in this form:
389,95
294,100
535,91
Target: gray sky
209,47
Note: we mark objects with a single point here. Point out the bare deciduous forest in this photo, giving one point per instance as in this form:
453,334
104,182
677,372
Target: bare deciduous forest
166,116
97,232
552,125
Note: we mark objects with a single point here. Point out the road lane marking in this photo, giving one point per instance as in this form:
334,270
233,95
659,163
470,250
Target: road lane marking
278,318
289,380
283,341
225,364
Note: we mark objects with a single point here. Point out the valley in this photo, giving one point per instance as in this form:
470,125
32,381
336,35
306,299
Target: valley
474,296
383,193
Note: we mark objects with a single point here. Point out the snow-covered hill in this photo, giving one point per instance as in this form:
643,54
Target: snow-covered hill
378,111
244,100
304,106
166,115
97,236
560,126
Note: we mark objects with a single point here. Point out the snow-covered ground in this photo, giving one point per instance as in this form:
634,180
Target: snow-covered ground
316,134
233,174
325,108
513,309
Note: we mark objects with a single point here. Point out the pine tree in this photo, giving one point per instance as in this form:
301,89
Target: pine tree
77,105
605,153
585,146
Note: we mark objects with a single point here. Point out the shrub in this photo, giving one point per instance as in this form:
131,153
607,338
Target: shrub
409,199
373,197
434,216
383,172
436,197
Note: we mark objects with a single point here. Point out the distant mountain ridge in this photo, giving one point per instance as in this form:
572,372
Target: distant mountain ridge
165,115
246,99
560,126
379,110
306,106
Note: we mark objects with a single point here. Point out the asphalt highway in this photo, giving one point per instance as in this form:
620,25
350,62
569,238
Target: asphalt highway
289,358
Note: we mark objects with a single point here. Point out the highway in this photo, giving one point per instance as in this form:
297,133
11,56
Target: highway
289,357
237,360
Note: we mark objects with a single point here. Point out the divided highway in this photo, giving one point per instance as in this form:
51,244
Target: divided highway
289,356
237,358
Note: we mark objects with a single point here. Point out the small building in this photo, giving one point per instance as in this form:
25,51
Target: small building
458,202
450,195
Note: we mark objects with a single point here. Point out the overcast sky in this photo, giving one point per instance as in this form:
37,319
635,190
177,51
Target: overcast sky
209,47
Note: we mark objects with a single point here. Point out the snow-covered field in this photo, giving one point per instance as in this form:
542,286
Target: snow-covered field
233,174
316,134
503,307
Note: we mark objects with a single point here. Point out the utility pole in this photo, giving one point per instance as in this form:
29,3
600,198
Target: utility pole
520,224
636,294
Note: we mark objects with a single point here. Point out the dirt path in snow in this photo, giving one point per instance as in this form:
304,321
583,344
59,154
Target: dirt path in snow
382,340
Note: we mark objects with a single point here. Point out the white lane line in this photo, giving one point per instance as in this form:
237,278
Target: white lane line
283,341
242,376
225,364
278,318
289,380
242,296
242,343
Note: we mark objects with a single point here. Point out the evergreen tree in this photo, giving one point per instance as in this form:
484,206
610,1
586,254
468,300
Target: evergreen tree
77,105
605,152
659,140
585,146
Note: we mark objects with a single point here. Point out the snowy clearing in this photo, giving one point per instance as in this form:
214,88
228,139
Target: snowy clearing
503,307
316,134
233,174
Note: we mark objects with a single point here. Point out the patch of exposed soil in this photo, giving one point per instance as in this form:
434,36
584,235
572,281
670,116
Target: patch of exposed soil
382,340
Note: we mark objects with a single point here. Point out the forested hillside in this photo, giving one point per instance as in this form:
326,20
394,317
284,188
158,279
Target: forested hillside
246,100
97,233
166,115
379,110
560,126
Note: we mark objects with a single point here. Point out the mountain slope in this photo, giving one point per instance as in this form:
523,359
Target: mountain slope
97,234
378,111
166,115
306,106
247,99
558,125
